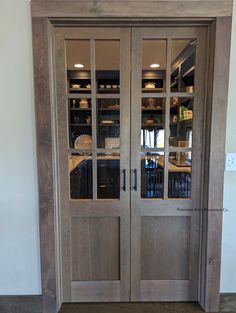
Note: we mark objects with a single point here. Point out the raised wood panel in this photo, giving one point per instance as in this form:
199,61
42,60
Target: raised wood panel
132,8
165,248
95,248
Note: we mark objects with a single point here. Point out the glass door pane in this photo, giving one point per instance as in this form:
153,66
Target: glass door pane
80,135
153,108
107,64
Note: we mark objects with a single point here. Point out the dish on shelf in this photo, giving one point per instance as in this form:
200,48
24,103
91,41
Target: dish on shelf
101,86
188,115
150,85
150,121
88,86
114,106
107,122
190,89
108,86
83,104
114,86
75,86
84,142
112,143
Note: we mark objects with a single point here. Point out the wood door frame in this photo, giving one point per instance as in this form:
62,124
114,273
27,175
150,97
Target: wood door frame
219,26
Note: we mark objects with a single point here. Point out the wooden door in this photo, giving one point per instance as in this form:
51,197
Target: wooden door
166,149
93,125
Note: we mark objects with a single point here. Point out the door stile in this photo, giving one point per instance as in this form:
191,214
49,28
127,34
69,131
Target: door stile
198,140
125,165
94,115
167,109
135,120
62,126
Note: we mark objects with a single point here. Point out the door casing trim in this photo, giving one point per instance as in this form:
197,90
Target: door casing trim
216,103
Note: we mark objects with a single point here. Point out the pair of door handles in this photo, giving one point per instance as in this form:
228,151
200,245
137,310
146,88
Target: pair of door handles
135,179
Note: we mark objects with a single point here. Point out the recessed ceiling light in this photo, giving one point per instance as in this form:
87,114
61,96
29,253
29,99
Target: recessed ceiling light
155,65
79,65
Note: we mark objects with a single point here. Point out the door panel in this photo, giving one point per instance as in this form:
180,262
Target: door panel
93,112
166,130
129,129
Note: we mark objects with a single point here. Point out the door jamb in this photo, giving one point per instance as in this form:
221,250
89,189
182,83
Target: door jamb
216,109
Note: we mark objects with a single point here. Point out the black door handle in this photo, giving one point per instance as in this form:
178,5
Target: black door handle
135,180
124,180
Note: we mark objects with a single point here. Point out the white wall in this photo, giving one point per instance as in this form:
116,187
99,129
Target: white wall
228,268
19,239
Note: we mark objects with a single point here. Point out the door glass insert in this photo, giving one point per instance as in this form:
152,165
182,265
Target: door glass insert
153,108
152,175
81,176
108,66
181,122
80,135
108,123
78,66
180,170
153,65
79,93
108,176
107,56
183,65
153,123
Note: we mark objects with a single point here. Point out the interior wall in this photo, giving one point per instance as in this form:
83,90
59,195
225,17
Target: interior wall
228,272
19,233
19,236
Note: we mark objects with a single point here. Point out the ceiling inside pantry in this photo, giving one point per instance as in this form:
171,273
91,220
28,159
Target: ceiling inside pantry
107,53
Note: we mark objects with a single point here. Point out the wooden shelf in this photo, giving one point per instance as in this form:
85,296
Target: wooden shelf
80,109
80,89
109,125
189,120
152,109
107,90
152,90
151,125
80,124
108,109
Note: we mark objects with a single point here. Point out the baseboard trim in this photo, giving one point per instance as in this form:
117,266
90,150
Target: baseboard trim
33,304
228,302
21,304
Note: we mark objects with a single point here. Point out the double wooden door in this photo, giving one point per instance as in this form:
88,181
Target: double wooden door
129,124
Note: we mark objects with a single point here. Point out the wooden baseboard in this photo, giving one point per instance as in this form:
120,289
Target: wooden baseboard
33,304
21,304
228,302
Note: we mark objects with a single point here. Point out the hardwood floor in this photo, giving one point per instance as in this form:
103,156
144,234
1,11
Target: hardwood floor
131,308
33,304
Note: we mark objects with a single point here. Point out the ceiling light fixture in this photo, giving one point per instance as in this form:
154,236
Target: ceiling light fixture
79,65
155,65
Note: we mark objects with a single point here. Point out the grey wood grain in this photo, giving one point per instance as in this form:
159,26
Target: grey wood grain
216,163
45,161
131,8
95,248
165,248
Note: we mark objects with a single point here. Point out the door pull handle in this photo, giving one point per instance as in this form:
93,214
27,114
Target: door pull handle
135,179
124,180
